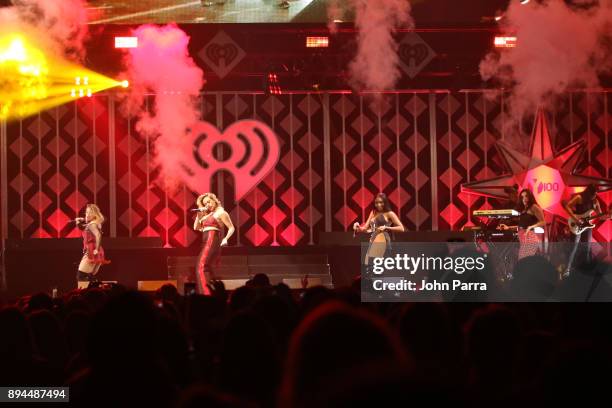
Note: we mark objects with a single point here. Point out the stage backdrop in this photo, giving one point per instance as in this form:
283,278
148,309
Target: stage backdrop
337,151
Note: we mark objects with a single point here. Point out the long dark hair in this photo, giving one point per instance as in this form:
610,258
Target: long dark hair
385,199
530,200
589,193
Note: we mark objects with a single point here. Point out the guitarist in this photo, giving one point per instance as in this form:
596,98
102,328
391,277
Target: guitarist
581,203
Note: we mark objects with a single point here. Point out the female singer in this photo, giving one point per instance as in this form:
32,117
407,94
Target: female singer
380,221
93,253
210,220
531,216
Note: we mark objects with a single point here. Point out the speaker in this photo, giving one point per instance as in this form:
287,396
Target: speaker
96,284
233,284
296,283
153,285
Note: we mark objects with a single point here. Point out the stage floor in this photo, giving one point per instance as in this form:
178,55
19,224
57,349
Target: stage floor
192,11
38,265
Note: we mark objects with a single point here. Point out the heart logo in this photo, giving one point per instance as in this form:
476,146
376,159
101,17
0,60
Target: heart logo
250,151
222,54
413,55
226,52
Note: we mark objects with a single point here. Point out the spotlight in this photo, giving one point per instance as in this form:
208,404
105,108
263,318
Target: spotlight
273,85
33,81
524,1
505,42
499,17
317,42
126,42
125,83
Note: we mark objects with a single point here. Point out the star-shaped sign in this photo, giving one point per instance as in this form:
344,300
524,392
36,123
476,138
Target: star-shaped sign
550,175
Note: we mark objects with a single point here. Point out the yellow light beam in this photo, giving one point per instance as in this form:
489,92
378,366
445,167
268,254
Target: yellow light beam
31,81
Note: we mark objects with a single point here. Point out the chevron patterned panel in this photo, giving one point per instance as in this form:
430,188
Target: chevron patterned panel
61,159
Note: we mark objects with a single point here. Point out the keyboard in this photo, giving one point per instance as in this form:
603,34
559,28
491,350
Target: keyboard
506,213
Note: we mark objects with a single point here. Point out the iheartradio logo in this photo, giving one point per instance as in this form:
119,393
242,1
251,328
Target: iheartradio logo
252,151
546,184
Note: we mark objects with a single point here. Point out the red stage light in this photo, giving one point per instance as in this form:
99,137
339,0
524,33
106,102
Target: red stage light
273,85
505,42
317,42
126,42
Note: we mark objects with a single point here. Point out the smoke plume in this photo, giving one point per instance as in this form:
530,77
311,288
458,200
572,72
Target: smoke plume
559,47
376,65
161,65
58,26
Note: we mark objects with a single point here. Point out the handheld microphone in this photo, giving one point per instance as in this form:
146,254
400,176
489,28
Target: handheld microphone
199,209
79,222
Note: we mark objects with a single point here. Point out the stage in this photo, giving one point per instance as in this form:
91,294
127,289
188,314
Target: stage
296,127
39,265
42,265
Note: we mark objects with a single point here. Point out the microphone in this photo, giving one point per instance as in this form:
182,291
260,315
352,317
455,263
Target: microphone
78,221
199,209
354,232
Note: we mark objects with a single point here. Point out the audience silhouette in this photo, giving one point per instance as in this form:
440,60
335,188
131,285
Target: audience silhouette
263,345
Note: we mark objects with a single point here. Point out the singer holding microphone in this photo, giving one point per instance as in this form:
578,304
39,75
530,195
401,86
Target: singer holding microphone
380,222
93,253
210,219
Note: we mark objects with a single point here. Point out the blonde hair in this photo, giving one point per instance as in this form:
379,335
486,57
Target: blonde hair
213,197
95,210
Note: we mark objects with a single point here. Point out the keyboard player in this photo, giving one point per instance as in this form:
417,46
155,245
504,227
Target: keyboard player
531,216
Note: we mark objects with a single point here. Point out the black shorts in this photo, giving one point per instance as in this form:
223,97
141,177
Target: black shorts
85,277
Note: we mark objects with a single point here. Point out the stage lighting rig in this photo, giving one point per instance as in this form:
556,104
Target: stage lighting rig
33,79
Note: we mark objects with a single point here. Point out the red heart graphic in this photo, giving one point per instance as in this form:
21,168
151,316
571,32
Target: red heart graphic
254,151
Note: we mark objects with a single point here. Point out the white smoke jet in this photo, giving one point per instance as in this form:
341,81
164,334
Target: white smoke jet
161,65
559,48
376,64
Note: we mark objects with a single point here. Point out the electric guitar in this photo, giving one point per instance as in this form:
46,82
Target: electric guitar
586,220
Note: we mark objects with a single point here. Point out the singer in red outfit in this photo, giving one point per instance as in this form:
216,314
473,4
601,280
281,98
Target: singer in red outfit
210,220
93,253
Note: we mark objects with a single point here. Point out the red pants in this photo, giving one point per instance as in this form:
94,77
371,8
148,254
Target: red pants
209,258
531,243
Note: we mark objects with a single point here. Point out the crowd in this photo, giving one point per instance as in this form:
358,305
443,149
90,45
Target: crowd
264,345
